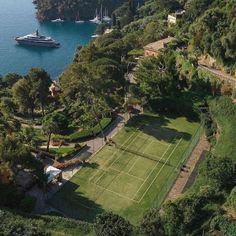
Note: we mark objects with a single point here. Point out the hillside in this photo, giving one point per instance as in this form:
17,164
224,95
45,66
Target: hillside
72,9
171,84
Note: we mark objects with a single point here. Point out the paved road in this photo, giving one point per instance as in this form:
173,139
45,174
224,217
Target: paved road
219,74
94,145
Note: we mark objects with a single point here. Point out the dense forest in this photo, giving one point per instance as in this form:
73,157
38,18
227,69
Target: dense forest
93,86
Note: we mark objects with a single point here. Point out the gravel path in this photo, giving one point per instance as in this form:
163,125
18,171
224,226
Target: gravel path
187,176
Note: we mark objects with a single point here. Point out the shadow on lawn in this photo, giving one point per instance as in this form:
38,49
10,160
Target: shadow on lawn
73,204
92,165
156,126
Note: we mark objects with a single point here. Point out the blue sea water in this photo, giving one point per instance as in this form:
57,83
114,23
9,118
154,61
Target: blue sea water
17,18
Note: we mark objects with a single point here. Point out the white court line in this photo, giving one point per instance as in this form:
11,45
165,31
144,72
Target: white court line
123,172
151,171
121,152
120,156
113,155
118,194
110,166
139,157
156,140
160,170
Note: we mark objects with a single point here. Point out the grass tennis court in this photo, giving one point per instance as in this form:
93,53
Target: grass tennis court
131,175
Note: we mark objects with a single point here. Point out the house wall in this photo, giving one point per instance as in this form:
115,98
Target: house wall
172,19
149,53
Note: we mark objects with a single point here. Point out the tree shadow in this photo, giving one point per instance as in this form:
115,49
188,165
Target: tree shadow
73,204
156,126
92,165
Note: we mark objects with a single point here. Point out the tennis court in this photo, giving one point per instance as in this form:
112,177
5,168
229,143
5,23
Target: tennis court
132,173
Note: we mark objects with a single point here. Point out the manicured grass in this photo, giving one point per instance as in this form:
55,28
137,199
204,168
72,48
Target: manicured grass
132,175
62,151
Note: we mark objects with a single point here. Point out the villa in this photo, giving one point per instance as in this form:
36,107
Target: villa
153,49
173,18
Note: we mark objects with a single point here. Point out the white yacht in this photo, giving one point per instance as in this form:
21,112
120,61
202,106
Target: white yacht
59,20
35,39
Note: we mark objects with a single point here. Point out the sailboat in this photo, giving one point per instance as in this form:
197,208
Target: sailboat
106,18
96,19
78,21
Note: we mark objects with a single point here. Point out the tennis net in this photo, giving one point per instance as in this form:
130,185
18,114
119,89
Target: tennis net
141,154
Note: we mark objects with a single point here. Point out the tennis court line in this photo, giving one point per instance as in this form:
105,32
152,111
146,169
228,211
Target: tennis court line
151,171
155,166
160,170
156,140
126,173
138,158
120,172
122,151
117,157
113,154
118,194
121,155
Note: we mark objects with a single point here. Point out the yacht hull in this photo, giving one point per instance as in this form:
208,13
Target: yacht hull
37,44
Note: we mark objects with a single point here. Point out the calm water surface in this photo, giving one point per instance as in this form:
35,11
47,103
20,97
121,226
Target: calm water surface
17,18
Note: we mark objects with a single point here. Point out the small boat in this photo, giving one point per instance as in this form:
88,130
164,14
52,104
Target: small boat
95,36
35,39
79,21
59,20
106,18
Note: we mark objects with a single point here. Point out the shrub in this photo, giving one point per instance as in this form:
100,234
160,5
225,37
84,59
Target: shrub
224,224
28,203
108,224
151,224
231,201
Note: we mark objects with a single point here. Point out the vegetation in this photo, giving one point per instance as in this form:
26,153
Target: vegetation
108,224
131,175
72,9
15,223
94,89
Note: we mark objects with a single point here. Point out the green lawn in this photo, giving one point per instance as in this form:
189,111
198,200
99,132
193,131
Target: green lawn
131,175
62,151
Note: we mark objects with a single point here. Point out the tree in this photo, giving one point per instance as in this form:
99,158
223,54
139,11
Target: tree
231,201
90,91
114,22
218,171
32,90
157,77
8,125
109,224
11,78
93,110
25,96
29,136
54,123
151,224
41,81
